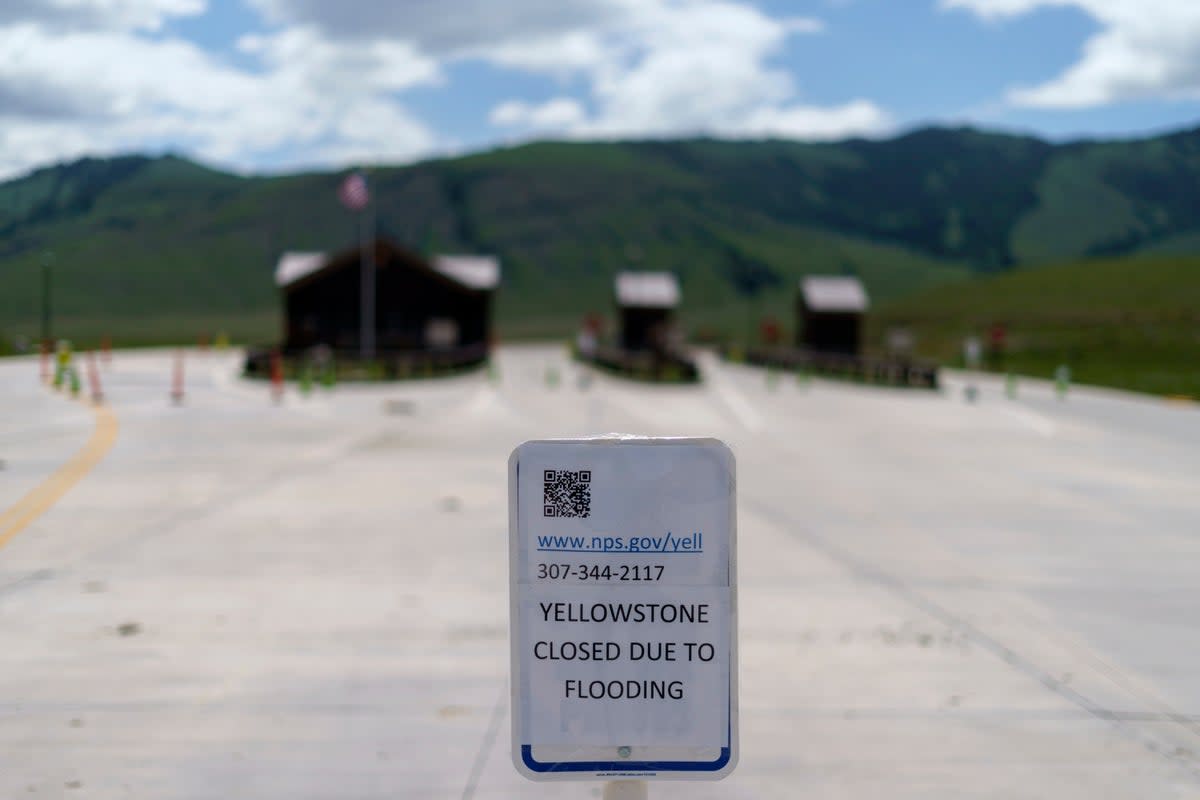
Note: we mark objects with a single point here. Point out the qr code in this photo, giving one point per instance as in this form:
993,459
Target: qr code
567,493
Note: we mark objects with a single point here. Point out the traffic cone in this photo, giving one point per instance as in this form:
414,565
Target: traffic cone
276,376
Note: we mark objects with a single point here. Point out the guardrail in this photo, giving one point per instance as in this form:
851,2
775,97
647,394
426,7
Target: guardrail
387,364
879,370
657,366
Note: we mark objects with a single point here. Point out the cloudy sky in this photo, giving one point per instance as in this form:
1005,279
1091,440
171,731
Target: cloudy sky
266,85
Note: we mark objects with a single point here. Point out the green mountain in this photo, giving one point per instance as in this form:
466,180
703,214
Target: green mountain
155,249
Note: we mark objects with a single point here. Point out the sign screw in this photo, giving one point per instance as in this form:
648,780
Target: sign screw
624,750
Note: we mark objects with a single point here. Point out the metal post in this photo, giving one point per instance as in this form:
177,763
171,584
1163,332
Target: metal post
367,270
47,331
626,790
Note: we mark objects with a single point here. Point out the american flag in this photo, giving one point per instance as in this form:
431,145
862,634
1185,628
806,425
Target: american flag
353,192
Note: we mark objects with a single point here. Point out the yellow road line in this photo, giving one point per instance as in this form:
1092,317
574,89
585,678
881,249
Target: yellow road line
50,491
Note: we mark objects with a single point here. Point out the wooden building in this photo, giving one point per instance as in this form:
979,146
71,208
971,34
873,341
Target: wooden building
646,302
830,312
442,304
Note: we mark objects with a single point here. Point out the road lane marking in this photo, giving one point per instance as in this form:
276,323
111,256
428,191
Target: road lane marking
1037,422
730,397
40,499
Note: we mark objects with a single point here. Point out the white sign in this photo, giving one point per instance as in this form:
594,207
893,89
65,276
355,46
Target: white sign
623,602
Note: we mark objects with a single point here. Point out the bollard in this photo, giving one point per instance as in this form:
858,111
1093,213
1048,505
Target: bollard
177,379
306,378
93,373
62,359
1062,381
1010,386
276,376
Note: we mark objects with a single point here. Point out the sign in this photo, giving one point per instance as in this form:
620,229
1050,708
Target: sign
624,609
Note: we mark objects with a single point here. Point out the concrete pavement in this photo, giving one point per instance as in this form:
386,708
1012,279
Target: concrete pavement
938,598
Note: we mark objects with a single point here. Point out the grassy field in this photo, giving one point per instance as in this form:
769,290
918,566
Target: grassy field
87,332
1128,323
1131,323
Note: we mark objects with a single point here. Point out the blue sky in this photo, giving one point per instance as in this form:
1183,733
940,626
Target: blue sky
264,85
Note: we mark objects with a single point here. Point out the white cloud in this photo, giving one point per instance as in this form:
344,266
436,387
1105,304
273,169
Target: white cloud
557,114
858,117
444,28
315,64
683,68
98,14
98,76
572,53
1146,49
74,93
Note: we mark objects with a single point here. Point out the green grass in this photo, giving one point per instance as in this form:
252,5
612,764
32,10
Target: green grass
1128,323
86,332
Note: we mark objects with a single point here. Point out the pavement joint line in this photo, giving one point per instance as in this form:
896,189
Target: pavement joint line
42,497
994,646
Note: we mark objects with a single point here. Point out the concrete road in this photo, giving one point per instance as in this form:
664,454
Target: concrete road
939,598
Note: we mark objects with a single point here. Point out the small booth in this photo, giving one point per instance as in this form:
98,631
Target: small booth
421,304
646,302
830,311
431,314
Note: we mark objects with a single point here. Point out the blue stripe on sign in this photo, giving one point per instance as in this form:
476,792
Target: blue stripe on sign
622,766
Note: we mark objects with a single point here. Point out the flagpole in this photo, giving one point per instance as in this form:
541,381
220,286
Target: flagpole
367,281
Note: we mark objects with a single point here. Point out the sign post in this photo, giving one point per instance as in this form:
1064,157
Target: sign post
624,610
